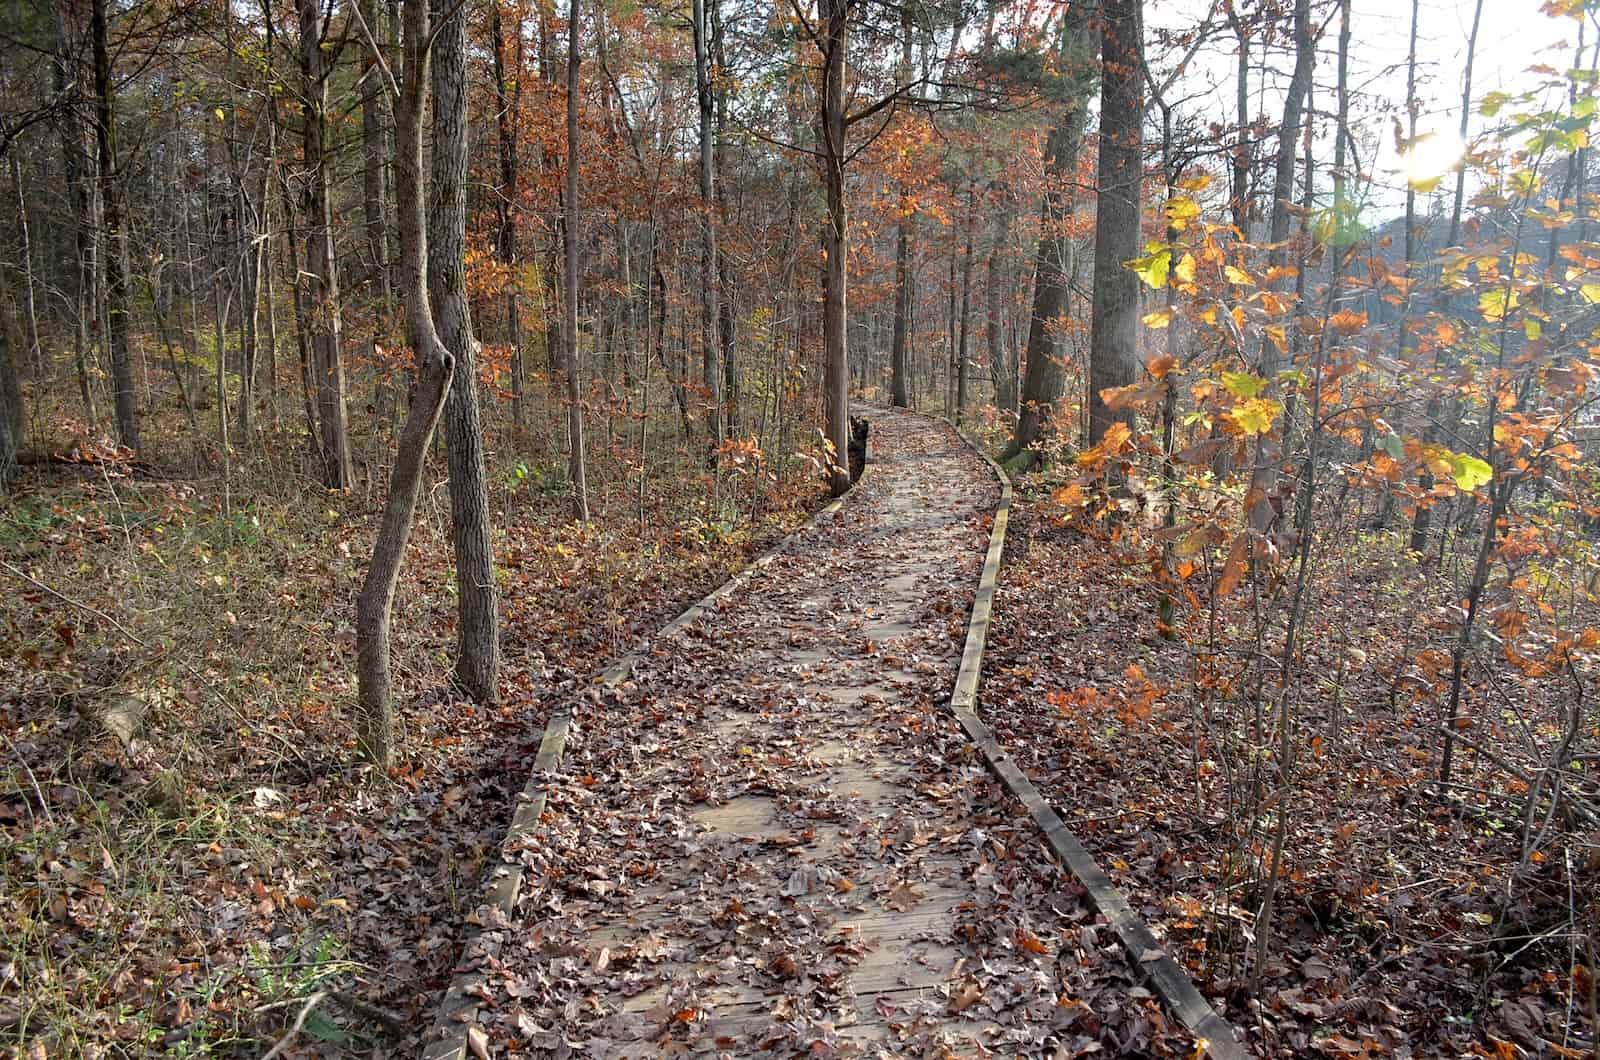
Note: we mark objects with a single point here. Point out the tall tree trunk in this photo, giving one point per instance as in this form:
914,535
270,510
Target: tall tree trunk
1422,522
111,259
507,107
725,288
577,467
30,312
1005,383
324,311
710,375
66,82
835,16
1243,149
11,418
899,370
966,313
1114,334
1043,381
434,366
377,120
1264,475
477,667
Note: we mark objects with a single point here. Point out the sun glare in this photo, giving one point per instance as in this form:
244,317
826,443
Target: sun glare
1430,158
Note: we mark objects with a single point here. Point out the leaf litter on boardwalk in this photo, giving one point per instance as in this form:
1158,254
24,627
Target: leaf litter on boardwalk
773,839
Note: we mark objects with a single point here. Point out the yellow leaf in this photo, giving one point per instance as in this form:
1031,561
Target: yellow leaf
1159,319
1494,305
1238,276
1590,292
1180,211
1243,384
1255,416
1152,268
1184,269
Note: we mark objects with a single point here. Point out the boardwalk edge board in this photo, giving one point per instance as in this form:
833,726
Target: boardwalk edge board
1170,982
450,1036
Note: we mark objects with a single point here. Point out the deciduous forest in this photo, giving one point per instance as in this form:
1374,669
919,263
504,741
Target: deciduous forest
1144,458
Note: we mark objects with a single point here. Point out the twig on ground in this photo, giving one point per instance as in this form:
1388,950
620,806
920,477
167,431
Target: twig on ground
299,1023
44,807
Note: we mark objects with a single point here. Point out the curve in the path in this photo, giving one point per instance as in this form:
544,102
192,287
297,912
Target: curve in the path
774,839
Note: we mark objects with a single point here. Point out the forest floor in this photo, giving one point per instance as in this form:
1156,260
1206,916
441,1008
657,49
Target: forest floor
183,888
1405,927
776,839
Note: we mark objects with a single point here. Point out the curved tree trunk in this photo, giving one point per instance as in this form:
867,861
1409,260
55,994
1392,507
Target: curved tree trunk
477,666
435,365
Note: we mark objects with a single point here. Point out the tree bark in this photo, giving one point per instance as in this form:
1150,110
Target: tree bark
1114,334
1422,523
11,419
833,44
323,311
434,366
1264,475
377,120
962,359
116,283
899,368
710,374
507,107
577,468
1043,381
477,668
1005,383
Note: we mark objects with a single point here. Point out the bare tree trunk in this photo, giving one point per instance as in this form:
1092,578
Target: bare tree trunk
434,365
1264,475
577,467
725,287
376,121
324,311
966,313
111,224
1422,522
899,370
65,81
11,418
507,107
30,314
1043,381
710,376
477,669
1005,383
1114,334
834,42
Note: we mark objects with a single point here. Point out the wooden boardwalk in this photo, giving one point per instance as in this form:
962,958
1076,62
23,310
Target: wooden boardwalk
775,840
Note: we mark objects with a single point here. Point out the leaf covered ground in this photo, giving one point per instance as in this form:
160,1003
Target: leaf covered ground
774,840
184,891
1406,925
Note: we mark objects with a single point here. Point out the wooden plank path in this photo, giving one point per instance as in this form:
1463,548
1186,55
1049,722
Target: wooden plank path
773,838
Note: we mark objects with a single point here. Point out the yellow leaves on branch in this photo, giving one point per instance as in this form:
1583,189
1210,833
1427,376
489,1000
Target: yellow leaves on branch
1255,416
1157,267
1467,472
